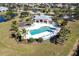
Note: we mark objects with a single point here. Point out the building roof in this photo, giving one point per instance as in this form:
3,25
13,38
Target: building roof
66,17
42,17
3,8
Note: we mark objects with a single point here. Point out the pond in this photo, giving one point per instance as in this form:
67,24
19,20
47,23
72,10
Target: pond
2,19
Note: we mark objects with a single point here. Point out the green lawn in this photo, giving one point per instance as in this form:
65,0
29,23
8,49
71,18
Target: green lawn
9,46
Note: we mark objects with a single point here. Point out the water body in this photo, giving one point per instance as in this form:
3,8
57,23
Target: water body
2,19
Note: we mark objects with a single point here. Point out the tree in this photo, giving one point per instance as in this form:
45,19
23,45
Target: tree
13,34
58,12
62,22
77,12
27,20
19,37
14,26
9,14
63,34
24,30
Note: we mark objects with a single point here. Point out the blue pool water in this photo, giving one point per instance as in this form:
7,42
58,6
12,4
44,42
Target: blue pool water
42,29
2,19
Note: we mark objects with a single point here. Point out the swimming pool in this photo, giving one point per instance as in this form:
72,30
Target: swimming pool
42,29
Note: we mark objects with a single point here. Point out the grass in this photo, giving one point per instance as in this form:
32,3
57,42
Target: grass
9,46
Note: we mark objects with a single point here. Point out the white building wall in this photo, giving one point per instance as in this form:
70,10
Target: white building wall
3,9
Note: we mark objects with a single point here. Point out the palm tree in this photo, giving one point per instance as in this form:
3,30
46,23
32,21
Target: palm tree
63,34
19,37
14,26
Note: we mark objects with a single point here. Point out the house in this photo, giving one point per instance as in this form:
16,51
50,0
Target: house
42,19
3,9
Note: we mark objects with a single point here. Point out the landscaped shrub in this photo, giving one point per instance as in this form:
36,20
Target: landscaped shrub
39,40
27,20
36,40
32,40
13,34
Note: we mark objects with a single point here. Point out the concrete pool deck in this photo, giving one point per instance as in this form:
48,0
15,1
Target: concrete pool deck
45,35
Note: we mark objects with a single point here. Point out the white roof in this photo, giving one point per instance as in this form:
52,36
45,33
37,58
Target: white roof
3,8
42,17
65,16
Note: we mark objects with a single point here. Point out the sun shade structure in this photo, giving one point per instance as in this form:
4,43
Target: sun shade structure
2,9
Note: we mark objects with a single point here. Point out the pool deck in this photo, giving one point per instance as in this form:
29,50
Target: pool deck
45,35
